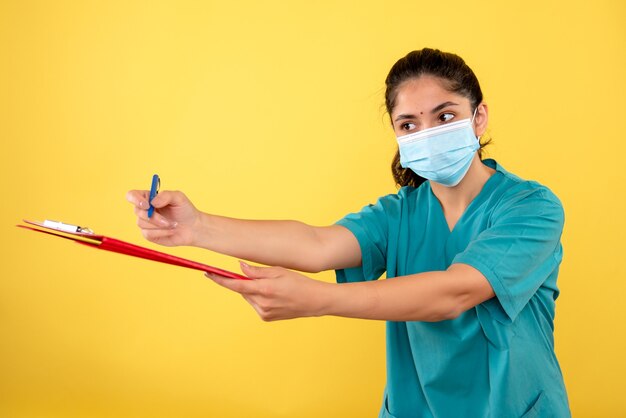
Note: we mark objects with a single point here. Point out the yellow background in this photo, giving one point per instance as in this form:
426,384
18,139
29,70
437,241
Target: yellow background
273,110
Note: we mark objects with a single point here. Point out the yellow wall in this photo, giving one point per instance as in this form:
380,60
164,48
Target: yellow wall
273,110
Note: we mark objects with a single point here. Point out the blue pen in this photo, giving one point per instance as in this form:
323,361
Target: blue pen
154,190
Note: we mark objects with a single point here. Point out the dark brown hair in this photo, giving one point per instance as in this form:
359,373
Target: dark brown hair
458,78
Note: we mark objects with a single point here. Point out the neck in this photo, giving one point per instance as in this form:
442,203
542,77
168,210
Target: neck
458,198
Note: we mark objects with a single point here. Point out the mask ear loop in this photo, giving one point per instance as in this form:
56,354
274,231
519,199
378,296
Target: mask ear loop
474,117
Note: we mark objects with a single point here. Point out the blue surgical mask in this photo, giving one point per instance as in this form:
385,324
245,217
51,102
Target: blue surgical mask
442,154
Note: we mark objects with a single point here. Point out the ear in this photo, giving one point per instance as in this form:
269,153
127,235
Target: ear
480,121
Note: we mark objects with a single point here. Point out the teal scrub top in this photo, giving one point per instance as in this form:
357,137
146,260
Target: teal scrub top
496,359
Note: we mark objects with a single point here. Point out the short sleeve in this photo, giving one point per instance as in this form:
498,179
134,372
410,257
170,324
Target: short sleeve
370,226
521,248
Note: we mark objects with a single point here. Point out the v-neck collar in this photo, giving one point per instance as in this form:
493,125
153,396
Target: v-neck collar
479,198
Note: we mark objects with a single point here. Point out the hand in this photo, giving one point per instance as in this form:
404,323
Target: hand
174,221
276,293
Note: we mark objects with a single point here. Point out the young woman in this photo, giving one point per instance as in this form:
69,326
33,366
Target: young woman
470,250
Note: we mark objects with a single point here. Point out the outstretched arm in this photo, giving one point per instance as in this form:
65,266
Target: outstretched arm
277,293
290,244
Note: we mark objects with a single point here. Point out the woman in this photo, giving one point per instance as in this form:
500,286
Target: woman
473,252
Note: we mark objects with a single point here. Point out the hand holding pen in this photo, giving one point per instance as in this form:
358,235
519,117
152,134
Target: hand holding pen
166,218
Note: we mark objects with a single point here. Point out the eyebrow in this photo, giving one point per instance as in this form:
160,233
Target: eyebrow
434,110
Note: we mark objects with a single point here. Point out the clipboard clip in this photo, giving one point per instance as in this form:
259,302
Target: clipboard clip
60,226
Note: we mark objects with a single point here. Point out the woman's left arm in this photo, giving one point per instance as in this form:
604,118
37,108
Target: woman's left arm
277,293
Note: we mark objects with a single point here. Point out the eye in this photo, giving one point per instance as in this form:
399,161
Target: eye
407,126
446,117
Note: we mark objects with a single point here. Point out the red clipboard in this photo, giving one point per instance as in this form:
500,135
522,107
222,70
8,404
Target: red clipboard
102,242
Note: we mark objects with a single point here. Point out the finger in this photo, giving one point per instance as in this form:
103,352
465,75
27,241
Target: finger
250,300
253,303
259,272
224,282
141,213
156,221
157,234
139,198
167,198
246,287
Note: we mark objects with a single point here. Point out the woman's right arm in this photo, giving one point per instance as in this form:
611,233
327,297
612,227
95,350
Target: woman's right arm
289,244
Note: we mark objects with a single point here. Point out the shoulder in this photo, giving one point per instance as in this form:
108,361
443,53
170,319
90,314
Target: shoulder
514,189
408,200
415,194
392,207
406,195
517,195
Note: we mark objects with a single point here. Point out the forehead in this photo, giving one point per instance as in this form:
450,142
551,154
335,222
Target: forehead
423,94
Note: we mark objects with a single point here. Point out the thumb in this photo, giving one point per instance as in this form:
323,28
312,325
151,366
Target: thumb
256,272
168,198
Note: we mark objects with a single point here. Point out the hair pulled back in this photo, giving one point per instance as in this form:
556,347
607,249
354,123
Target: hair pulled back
458,78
